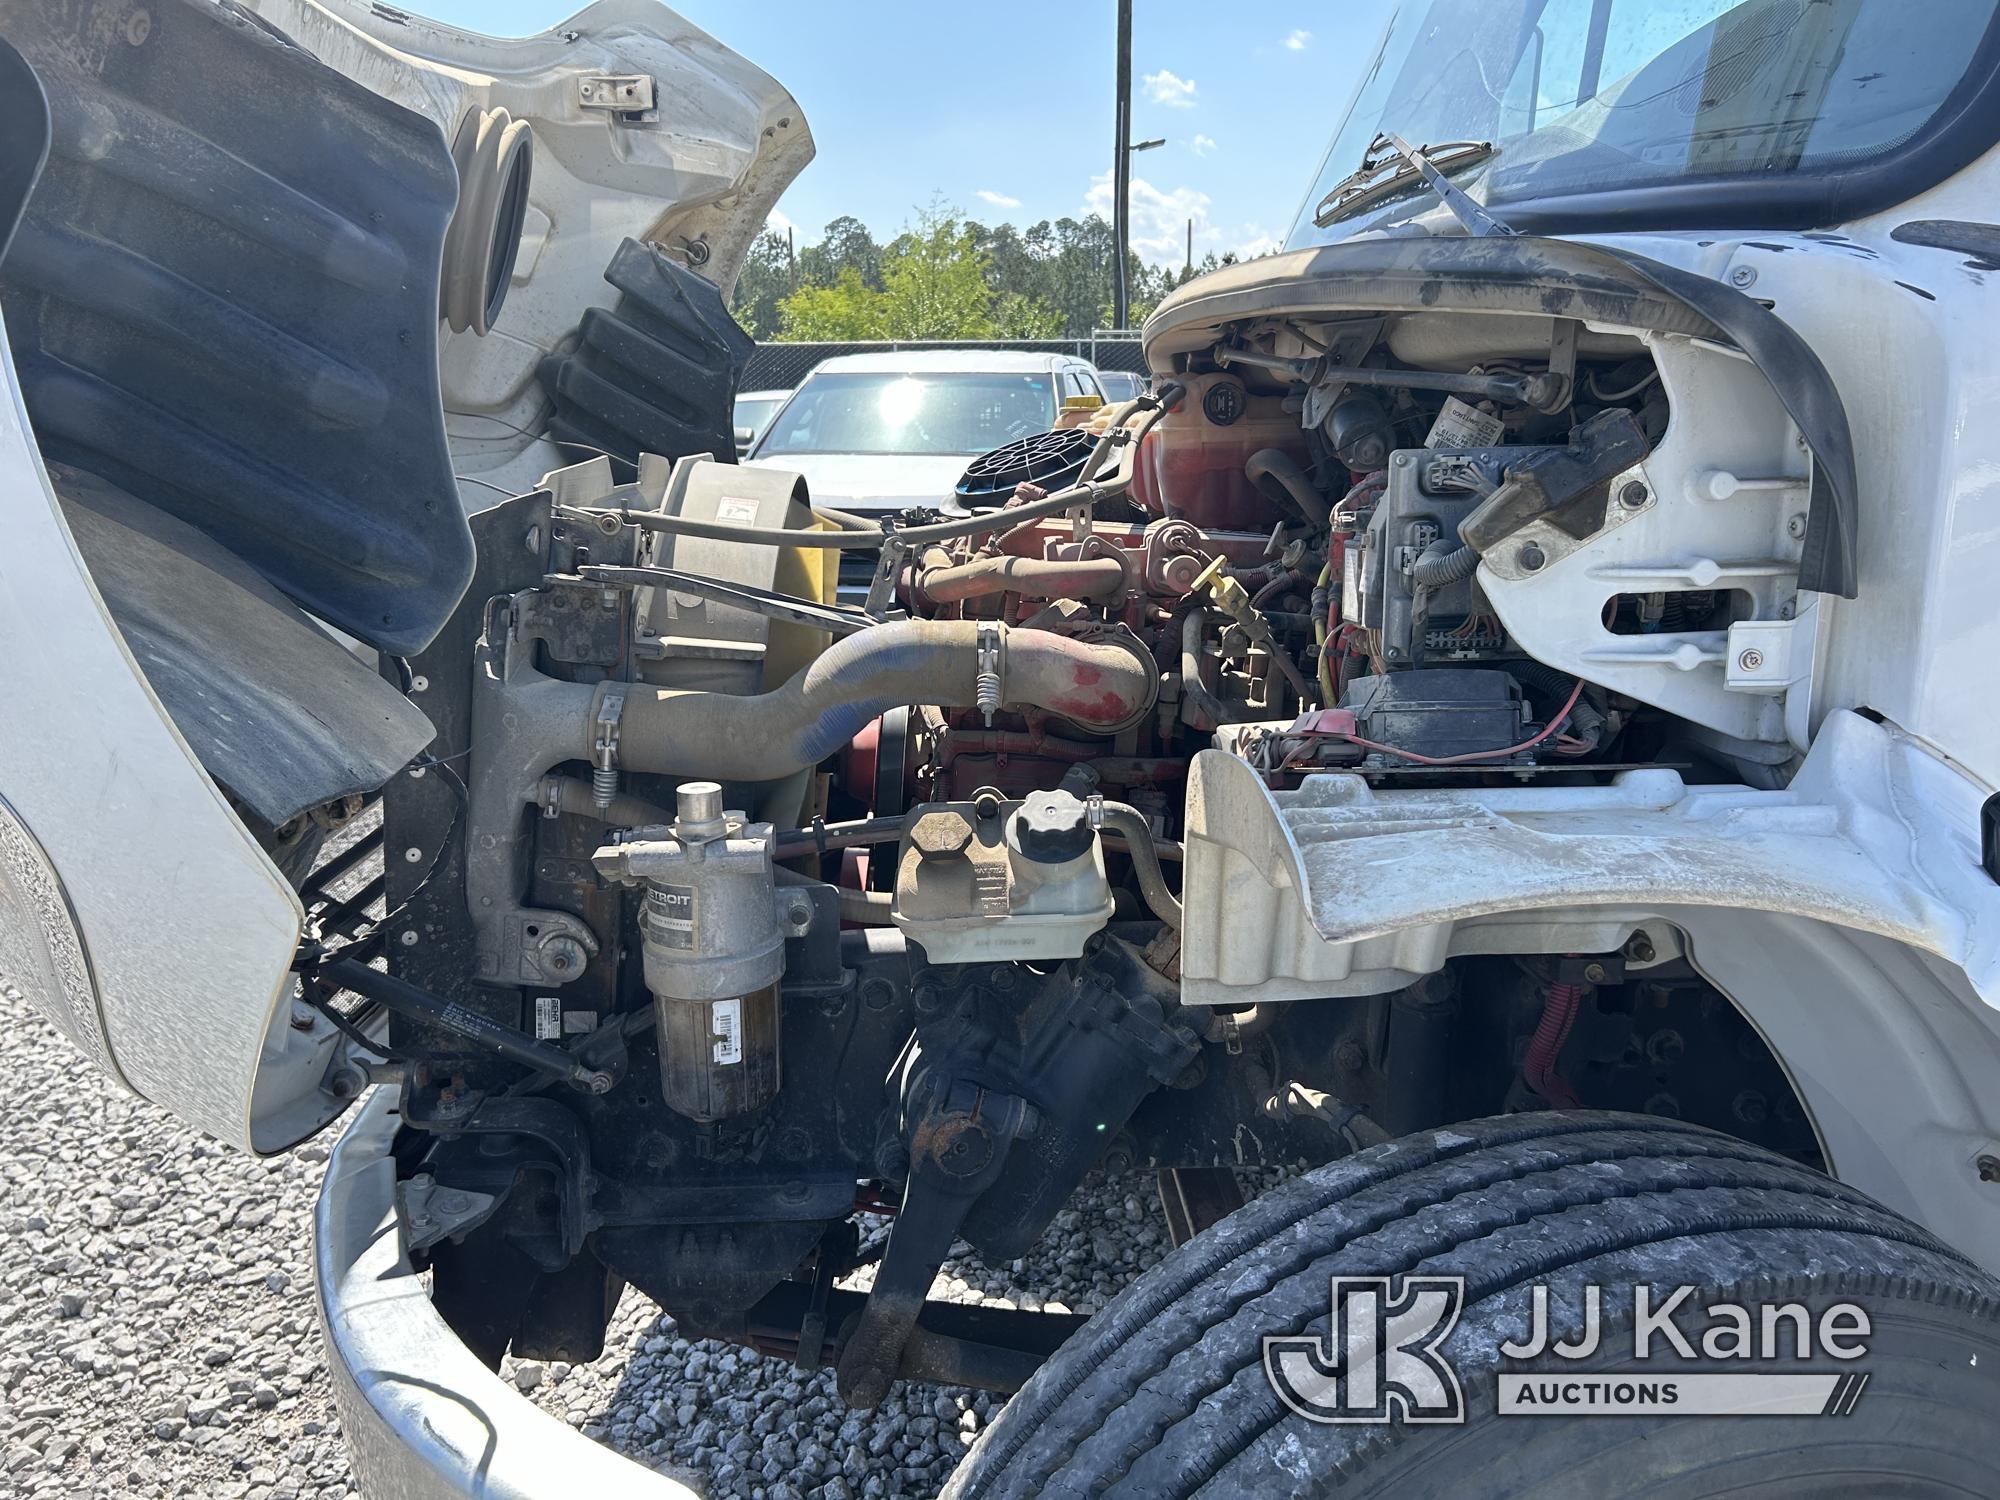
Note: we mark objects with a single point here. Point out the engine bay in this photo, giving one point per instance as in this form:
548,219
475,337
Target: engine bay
775,867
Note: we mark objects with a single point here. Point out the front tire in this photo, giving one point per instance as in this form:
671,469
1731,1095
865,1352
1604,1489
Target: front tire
1164,1392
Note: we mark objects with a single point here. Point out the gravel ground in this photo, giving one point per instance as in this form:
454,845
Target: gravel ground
156,1316
157,1335
732,1424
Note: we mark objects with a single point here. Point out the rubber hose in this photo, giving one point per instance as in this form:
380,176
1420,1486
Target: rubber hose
674,732
1441,564
573,795
1126,820
1273,463
862,908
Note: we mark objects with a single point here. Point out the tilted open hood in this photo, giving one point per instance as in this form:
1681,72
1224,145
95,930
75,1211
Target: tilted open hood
225,380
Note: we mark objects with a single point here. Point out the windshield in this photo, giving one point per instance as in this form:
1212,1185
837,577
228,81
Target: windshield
889,411
1601,96
754,411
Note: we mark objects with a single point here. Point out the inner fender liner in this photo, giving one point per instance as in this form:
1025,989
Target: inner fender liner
280,713
24,137
1559,278
223,299
658,372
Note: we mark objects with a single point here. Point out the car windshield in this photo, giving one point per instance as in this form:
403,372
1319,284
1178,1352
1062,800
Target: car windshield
1591,96
891,411
754,411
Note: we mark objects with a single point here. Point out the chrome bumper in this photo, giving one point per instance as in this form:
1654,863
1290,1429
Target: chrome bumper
424,1419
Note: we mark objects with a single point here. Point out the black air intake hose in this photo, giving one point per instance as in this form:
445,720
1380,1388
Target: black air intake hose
1442,563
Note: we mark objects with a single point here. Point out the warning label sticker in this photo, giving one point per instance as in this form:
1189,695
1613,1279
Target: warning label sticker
1463,425
673,916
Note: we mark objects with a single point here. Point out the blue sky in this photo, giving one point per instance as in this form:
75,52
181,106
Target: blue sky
1005,110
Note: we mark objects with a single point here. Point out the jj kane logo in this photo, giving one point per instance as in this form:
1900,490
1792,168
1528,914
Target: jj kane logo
1382,1358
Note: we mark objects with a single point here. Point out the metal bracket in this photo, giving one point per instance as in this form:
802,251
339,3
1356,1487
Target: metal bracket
888,567
431,1214
626,94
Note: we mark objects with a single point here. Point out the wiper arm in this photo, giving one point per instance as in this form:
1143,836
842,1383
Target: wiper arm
1366,184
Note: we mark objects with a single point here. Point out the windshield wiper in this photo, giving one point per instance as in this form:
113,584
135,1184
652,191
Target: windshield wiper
1366,184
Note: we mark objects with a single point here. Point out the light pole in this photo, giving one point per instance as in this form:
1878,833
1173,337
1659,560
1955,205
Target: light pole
1121,164
1121,171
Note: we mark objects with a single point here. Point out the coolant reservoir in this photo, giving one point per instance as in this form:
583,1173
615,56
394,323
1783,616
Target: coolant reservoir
1193,459
991,880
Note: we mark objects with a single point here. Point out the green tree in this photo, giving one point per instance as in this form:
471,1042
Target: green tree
847,310
934,282
845,245
765,278
948,277
1018,316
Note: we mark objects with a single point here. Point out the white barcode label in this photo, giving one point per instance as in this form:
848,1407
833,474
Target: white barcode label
726,1022
1463,425
548,1018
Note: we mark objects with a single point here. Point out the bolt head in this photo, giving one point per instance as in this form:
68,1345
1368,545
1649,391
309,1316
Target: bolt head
940,835
412,855
1594,973
409,937
1633,495
1743,276
1989,1168
1531,557
1750,660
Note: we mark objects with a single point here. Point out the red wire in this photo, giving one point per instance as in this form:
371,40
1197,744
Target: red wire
1550,728
1559,1008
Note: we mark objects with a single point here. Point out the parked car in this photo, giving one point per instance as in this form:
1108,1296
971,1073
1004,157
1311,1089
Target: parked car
753,412
875,433
1119,385
1525,784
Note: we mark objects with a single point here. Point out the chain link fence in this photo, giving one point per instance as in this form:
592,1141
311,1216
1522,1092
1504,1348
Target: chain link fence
780,366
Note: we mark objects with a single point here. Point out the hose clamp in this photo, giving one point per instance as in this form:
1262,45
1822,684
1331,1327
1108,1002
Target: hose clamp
986,684
604,749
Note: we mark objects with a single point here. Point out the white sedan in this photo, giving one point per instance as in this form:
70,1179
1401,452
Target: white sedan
877,433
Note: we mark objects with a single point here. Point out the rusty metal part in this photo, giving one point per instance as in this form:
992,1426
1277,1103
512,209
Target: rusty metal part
942,580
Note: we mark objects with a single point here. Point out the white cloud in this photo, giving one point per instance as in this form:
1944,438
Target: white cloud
1201,145
998,200
1160,223
779,224
1170,89
1297,41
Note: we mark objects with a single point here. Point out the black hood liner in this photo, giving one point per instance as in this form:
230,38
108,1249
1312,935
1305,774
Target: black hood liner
223,298
658,372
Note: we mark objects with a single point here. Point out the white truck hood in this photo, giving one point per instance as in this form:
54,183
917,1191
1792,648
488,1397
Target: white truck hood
137,909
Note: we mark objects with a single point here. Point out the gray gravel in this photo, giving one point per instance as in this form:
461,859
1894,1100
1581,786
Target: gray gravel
156,1318
732,1424
157,1335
